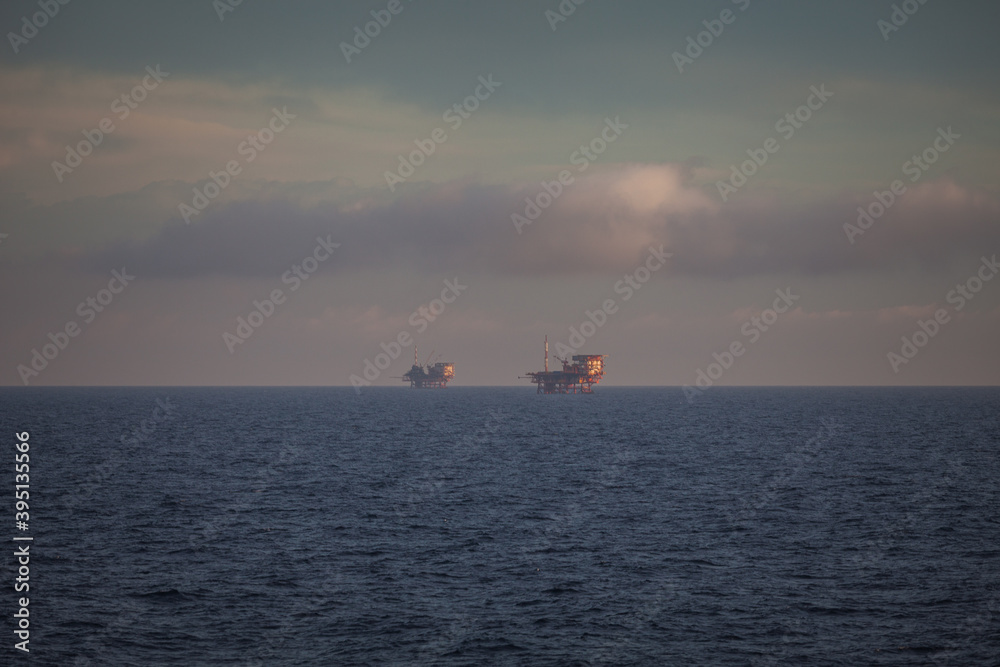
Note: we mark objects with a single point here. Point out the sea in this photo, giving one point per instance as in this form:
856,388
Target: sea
496,526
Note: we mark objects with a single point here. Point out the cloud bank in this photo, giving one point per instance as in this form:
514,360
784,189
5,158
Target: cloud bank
603,222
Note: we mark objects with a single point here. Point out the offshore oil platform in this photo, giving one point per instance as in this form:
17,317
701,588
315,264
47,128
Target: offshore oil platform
429,377
581,373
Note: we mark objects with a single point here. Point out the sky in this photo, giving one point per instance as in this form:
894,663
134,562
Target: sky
733,192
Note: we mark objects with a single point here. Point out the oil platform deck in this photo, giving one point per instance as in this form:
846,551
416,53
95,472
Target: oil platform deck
428,376
578,375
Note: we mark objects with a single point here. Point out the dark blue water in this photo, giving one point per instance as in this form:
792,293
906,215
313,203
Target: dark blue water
476,526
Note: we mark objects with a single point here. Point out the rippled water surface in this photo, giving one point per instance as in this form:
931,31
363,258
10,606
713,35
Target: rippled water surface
478,526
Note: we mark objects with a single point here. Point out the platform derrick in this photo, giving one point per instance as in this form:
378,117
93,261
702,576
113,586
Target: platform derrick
578,375
427,376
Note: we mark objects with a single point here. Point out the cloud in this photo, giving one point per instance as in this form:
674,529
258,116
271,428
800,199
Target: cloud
603,222
932,220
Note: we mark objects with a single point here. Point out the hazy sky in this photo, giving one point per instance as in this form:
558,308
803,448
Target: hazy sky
680,170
